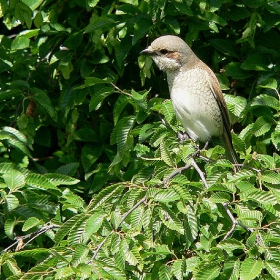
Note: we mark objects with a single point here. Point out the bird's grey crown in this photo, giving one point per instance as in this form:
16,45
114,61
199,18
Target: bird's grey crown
170,43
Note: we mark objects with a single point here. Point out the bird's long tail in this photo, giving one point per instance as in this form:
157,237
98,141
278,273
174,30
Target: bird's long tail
230,152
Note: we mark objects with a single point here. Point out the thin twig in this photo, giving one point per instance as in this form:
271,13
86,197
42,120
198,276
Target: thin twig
200,173
234,222
99,247
177,171
132,209
32,236
120,91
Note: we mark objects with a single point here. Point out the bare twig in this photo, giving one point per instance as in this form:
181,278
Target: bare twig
99,247
200,173
132,209
20,239
234,222
177,171
120,91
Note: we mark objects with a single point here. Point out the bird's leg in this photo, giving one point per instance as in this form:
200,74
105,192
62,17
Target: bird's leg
205,145
182,136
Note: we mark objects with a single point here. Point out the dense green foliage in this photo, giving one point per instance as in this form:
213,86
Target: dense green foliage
94,183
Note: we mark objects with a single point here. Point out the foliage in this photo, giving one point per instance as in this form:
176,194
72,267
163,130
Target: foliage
94,184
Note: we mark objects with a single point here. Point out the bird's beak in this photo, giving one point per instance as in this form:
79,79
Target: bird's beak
147,51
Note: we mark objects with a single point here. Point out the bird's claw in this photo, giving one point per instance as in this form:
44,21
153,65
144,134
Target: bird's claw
182,136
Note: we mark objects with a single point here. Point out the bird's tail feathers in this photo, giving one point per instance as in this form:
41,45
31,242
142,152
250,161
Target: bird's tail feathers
230,152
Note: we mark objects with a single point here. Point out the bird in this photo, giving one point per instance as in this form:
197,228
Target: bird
195,92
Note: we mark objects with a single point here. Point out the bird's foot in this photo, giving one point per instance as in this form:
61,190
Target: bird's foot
182,136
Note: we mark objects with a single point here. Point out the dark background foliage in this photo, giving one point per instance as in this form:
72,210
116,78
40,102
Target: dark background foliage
94,184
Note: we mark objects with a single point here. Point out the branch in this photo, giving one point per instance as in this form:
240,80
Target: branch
20,239
234,222
177,171
132,209
120,91
200,173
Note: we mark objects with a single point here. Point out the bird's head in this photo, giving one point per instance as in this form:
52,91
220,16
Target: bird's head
169,52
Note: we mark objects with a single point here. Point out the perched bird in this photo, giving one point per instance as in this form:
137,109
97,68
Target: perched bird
194,90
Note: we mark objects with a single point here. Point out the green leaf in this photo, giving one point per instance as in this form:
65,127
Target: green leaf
64,273
166,196
236,104
225,46
104,195
9,227
13,141
167,110
92,81
92,3
260,127
32,4
120,104
262,197
184,7
100,93
141,28
269,83
266,100
241,175
271,177
165,154
250,269
122,50
236,271
207,272
12,202
170,220
20,43
257,62
220,197
43,99
39,181
127,254
273,268
233,69
237,13
67,226
17,134
192,222
93,224
68,169
12,267
230,245
178,268
121,132
61,179
90,154
164,273
14,180
30,223
103,23
80,254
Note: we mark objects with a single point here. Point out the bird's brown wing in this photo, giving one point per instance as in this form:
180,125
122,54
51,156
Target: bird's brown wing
218,95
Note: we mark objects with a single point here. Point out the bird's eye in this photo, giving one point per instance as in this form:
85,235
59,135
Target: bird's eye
164,51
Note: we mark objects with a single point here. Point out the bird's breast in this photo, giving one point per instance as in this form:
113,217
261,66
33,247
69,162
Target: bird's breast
195,104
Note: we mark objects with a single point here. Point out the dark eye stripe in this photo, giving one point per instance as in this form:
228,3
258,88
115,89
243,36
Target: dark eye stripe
164,52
